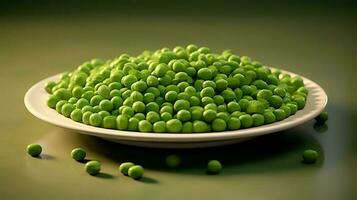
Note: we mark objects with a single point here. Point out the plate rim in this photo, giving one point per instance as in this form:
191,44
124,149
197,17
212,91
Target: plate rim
173,137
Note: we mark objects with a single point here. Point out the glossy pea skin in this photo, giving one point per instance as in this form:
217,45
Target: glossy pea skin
34,150
124,168
109,122
233,123
78,154
309,156
93,167
258,119
122,122
199,126
246,121
219,125
322,118
76,115
95,119
214,167
159,127
174,126
136,172
279,114
145,126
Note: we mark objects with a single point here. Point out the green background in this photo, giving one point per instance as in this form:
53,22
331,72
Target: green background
314,39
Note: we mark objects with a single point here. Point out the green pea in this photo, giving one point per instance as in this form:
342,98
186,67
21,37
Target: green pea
171,96
95,119
159,127
124,168
145,126
309,156
209,115
104,91
139,86
187,127
197,114
106,105
228,95
214,167
258,119
139,107
181,105
218,99
205,74
78,154
183,115
174,126
128,80
219,125
34,150
199,126
194,101
152,81
211,106
134,124
276,101
207,92
136,172
322,118
269,117
109,122
52,101
223,115
63,94
49,86
76,115
233,123
122,122
67,109
279,114
85,117
136,96
233,106
255,106
152,117
128,111
246,120
161,69
93,167
152,106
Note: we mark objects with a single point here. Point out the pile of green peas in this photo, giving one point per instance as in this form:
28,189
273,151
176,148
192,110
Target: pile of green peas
184,89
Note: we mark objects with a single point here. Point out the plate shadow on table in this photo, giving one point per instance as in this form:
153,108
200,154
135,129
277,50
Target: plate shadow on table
269,153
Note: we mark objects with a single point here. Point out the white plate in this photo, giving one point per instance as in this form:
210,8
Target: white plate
36,98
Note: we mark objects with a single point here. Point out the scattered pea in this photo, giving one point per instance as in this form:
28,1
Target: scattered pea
92,167
136,172
78,154
214,167
124,167
309,156
34,150
322,118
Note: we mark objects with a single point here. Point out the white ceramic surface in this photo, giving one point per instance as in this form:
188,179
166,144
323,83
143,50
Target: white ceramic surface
36,98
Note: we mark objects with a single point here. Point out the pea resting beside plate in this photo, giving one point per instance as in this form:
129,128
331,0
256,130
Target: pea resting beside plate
36,98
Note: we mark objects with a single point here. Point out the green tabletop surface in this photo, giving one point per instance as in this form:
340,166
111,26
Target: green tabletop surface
316,41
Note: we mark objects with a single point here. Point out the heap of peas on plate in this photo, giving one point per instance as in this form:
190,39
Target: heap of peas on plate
177,90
